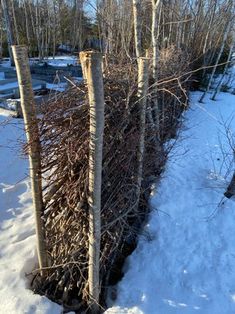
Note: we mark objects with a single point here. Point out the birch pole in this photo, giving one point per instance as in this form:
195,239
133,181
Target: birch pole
94,78
20,54
155,6
143,84
82,57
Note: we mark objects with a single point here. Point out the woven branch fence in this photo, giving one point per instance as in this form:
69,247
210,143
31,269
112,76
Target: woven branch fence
64,138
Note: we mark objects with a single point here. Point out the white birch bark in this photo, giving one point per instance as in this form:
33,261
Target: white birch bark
137,28
143,84
20,54
94,76
155,6
83,58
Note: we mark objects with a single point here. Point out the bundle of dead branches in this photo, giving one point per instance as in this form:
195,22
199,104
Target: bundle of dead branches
64,130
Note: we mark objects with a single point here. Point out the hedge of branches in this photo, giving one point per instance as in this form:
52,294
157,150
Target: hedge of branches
64,131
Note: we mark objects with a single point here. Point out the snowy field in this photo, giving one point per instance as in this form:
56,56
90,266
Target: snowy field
185,262
61,61
17,235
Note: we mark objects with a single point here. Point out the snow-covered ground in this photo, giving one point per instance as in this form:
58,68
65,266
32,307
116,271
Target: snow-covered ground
17,235
13,85
57,85
62,61
184,262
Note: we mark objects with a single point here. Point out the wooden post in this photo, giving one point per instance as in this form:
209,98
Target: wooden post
93,70
83,60
20,55
143,84
82,56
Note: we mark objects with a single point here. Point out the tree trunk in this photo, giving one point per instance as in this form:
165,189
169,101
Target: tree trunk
17,40
155,6
27,26
137,28
226,32
94,76
143,83
1,36
8,29
20,54
205,46
218,87
231,188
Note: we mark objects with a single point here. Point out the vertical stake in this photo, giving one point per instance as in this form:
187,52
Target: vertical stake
94,77
20,54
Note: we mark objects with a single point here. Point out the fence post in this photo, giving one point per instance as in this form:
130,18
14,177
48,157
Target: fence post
20,54
94,77
82,56
143,84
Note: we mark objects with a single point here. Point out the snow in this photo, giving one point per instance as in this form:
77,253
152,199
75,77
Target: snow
17,234
58,87
61,86
62,61
185,259
9,86
14,85
58,61
6,63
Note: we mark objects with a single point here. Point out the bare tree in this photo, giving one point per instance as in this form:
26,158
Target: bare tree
225,35
137,27
155,32
9,30
218,87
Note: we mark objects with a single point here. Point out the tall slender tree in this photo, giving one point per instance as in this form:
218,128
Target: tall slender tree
8,25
